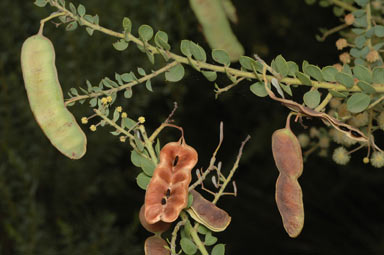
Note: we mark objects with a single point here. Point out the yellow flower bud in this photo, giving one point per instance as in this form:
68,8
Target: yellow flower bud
123,138
109,99
341,44
119,108
124,115
341,156
92,128
141,119
84,120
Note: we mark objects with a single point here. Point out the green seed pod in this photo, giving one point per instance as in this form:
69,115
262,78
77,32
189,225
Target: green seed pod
216,27
289,200
46,97
155,245
286,151
208,214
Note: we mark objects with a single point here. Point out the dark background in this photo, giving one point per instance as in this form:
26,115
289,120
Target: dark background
51,205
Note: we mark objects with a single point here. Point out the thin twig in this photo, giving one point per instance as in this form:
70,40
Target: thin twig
232,172
174,235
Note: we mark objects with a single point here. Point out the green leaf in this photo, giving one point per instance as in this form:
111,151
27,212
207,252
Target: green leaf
89,30
344,79
362,3
41,3
188,246
127,25
366,87
141,71
338,94
161,40
145,32
379,31
71,26
93,102
143,180
293,68
127,77
210,75
310,2
81,10
128,123
198,52
314,72
362,73
347,69
185,47
358,102
147,165
220,56
361,21
329,73
378,75
360,41
258,89
120,45
157,147
338,11
136,158
287,89
190,200
202,230
210,239
175,74
72,8
312,98
246,62
148,85
218,249
128,93
281,65
304,79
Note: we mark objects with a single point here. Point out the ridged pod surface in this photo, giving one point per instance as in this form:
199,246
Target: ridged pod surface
155,245
158,227
208,214
216,27
289,198
167,192
46,97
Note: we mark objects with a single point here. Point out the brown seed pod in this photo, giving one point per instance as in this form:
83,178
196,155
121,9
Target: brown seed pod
158,227
208,214
167,192
286,151
155,245
289,198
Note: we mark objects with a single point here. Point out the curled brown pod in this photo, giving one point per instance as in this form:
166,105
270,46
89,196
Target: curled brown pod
208,214
158,227
167,192
289,198
155,245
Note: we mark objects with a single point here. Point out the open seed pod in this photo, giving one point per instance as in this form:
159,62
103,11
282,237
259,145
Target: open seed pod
208,214
167,192
158,227
155,245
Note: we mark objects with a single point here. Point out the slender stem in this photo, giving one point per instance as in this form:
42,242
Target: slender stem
232,172
332,31
124,86
148,144
113,124
194,235
369,24
174,236
324,103
52,16
376,102
344,5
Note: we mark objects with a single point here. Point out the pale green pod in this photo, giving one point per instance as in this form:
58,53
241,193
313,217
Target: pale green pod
216,27
46,97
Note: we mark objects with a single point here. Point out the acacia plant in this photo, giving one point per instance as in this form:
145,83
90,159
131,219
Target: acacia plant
347,97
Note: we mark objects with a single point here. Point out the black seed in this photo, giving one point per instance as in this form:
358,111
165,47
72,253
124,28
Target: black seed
344,128
176,160
163,201
168,193
355,134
